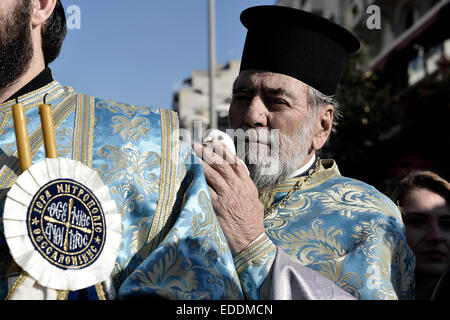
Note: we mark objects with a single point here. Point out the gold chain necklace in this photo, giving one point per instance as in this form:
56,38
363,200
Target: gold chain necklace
271,211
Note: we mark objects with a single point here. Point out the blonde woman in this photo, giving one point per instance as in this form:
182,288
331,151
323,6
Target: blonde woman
424,199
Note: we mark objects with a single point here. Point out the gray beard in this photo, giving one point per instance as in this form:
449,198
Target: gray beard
287,154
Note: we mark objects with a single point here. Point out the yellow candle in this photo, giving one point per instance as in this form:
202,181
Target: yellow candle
48,131
22,138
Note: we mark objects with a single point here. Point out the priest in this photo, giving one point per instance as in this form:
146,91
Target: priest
296,211
171,244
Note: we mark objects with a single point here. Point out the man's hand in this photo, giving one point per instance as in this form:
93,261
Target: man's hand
234,195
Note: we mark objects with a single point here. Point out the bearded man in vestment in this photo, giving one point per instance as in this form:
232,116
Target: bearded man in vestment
295,210
171,244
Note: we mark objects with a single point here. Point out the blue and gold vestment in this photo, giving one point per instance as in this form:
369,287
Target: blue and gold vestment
172,245
340,227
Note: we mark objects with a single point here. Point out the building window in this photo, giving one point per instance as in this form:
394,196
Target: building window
416,70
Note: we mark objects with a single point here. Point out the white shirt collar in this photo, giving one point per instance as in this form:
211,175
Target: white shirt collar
304,168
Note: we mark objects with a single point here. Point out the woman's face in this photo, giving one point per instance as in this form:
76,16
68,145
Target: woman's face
427,222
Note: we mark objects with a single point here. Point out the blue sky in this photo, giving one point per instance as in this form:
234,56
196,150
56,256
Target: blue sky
140,51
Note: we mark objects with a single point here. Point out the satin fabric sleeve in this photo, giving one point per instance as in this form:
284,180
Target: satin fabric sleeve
254,265
193,261
267,272
379,266
384,259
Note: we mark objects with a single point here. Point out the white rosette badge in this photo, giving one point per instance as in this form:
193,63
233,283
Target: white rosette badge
61,225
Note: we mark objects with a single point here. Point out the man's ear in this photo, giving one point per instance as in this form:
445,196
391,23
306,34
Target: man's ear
324,125
42,10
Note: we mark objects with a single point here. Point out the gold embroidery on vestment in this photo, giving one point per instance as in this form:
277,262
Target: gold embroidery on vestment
169,162
11,166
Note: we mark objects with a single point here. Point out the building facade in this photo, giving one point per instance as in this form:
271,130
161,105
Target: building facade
408,48
192,101
414,31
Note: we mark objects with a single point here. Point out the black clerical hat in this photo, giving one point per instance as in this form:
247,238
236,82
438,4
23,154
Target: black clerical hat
296,43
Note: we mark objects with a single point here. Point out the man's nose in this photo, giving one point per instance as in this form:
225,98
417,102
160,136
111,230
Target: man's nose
256,113
434,232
